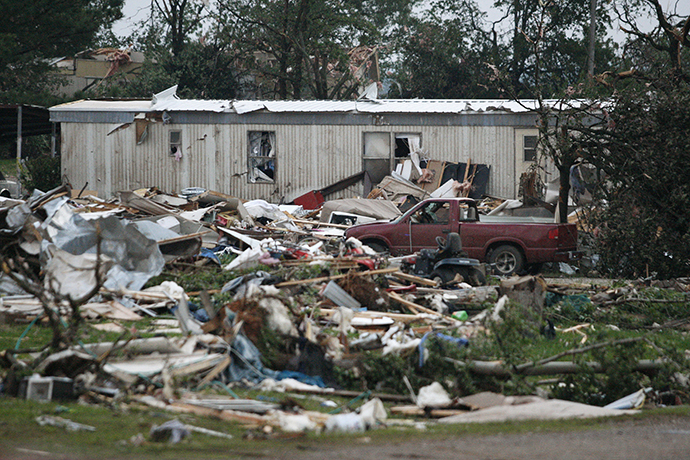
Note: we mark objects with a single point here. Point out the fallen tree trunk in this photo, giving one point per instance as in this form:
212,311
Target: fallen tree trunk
501,370
550,365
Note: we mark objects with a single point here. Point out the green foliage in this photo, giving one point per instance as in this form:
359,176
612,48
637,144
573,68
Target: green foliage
210,279
644,312
44,29
274,349
303,271
576,308
201,71
298,49
658,53
386,373
442,58
42,173
513,339
644,228
381,373
8,167
619,378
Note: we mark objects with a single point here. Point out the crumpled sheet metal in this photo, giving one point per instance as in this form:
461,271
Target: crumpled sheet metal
14,218
71,275
171,244
9,287
132,257
552,409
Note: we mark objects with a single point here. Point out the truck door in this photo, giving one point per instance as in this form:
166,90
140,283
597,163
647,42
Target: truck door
426,223
470,234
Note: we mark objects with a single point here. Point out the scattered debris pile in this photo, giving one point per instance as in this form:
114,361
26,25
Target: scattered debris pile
297,303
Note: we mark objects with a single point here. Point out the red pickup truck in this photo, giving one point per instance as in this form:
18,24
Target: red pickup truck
511,247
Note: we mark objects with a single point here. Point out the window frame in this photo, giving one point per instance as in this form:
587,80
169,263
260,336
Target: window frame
174,144
255,161
532,155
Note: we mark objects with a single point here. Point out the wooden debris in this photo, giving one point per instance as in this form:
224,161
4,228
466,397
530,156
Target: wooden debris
220,367
185,408
194,368
322,279
320,224
415,308
415,279
416,411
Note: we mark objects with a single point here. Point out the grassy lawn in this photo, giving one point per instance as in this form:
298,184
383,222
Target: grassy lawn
515,340
116,425
9,167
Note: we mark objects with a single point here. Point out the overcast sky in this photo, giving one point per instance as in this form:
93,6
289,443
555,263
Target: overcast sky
137,10
134,11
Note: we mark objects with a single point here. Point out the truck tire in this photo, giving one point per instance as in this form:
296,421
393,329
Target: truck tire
507,260
376,246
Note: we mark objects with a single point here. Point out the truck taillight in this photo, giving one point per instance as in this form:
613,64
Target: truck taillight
553,234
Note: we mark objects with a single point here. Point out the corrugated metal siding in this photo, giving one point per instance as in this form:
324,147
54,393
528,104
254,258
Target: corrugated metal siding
309,157
490,145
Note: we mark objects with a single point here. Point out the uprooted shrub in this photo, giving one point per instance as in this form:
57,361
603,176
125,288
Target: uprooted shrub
606,367
642,224
618,379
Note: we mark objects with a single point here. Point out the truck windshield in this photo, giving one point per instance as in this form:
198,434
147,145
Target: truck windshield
435,212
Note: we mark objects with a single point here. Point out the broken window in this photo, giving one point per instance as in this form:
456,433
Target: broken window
262,157
529,148
406,144
433,213
376,160
175,143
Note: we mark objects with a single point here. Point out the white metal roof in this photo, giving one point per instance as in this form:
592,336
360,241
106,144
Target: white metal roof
294,106
102,106
168,101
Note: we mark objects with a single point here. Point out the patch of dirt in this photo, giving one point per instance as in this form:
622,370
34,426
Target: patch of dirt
630,439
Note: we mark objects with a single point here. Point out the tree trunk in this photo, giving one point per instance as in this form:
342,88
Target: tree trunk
592,35
564,190
499,369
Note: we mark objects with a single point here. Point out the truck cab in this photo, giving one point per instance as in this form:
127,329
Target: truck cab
510,246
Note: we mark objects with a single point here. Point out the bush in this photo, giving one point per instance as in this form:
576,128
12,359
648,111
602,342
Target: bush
42,173
643,226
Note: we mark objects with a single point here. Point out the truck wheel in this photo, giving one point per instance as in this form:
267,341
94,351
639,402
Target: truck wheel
507,259
376,246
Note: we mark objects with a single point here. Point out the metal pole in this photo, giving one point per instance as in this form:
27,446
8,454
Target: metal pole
19,140
592,36
53,141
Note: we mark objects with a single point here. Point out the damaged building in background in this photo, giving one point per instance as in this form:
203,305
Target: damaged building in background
89,68
281,150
